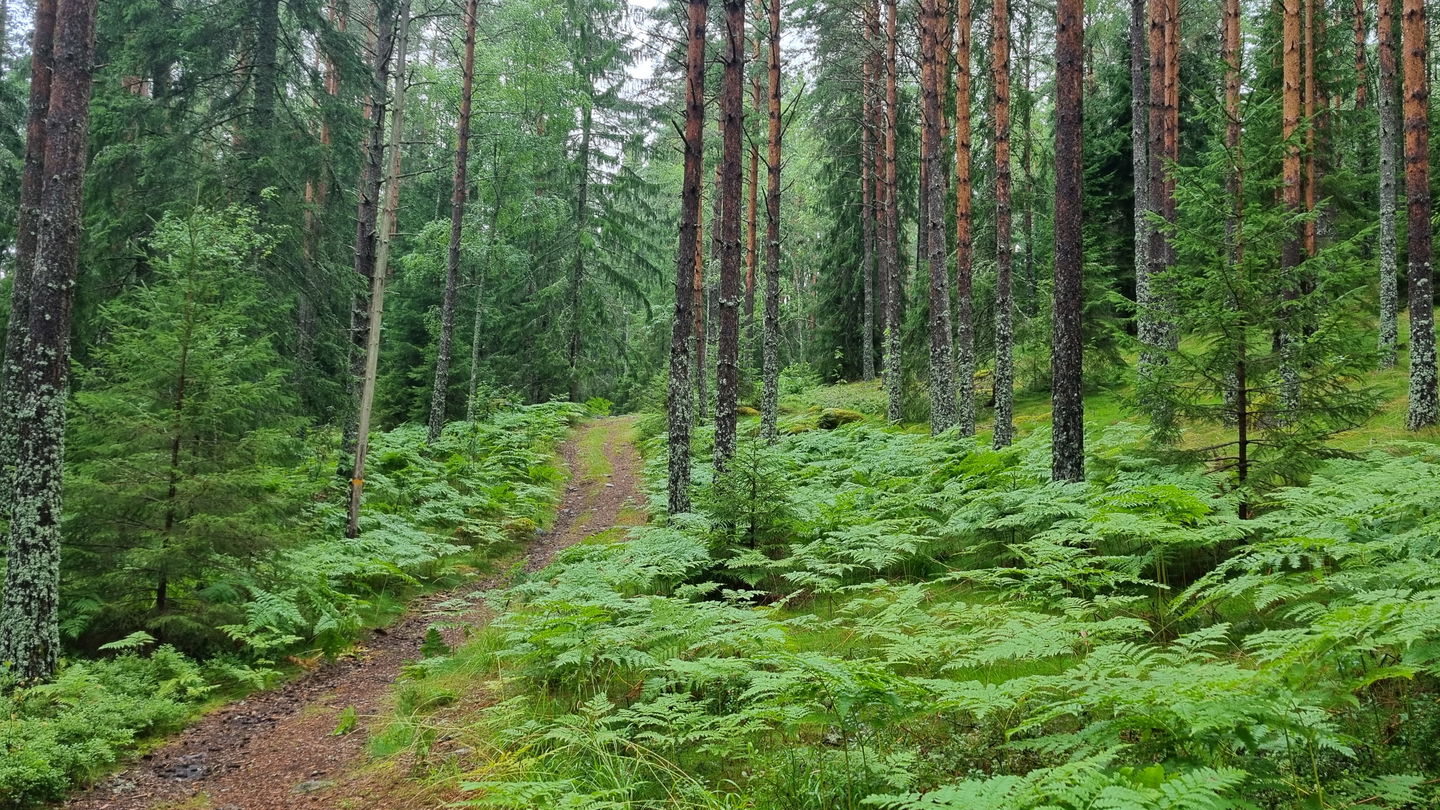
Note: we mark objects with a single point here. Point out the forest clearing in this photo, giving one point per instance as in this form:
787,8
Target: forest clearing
677,405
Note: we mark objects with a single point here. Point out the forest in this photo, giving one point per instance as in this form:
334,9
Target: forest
749,404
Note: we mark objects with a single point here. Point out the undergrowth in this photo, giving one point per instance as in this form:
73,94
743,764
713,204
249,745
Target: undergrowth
868,618
432,512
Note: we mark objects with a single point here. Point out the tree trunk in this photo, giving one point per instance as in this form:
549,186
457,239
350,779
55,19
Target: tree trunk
964,228
1068,447
727,360
458,187
1362,67
1004,376
1424,409
1389,129
382,266
752,220
1238,390
29,606
686,261
890,242
266,78
942,364
582,215
1308,93
1140,168
27,232
867,203
367,216
769,401
1292,193
1157,335
702,304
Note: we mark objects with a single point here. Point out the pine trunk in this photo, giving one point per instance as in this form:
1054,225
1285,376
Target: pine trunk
964,228
943,414
769,402
867,205
686,261
376,310
1362,67
1140,166
1068,447
1424,409
890,242
1292,197
752,219
27,232
458,187
727,347
1004,248
29,606
1389,130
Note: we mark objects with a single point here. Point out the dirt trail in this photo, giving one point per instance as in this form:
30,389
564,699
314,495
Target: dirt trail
277,750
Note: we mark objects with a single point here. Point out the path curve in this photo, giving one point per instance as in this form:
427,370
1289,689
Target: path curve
277,749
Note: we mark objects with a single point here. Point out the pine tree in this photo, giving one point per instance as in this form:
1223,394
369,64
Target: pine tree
770,398
1424,408
29,633
890,240
1389,131
964,228
459,188
943,414
1140,165
1004,376
686,261
867,197
1067,366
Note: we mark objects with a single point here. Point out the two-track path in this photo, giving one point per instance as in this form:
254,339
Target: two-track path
277,750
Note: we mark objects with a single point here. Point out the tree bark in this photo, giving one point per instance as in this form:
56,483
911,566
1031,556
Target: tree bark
1004,376
378,278
752,219
1362,67
890,242
703,338
29,605
1157,335
943,415
867,200
1389,129
1424,409
769,402
458,187
27,232
1292,197
964,228
1068,446
686,261
1140,168
727,349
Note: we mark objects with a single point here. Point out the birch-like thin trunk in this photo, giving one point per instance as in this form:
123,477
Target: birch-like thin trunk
1004,376
890,242
867,204
1389,131
376,309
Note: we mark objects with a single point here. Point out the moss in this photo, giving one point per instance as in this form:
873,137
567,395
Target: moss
832,418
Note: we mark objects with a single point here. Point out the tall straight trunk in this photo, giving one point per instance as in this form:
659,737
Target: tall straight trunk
867,204
1424,409
890,242
458,186
878,180
1292,197
1157,333
1140,167
703,338
582,217
376,309
769,403
1238,389
1066,357
29,604
1004,248
964,228
1031,285
1362,67
677,404
1308,105
727,347
27,232
752,218
1389,129
367,215
943,414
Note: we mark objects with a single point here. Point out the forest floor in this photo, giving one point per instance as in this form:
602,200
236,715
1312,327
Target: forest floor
303,745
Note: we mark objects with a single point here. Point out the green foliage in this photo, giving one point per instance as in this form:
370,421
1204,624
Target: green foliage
935,624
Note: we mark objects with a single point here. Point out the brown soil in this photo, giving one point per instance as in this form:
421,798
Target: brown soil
278,749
